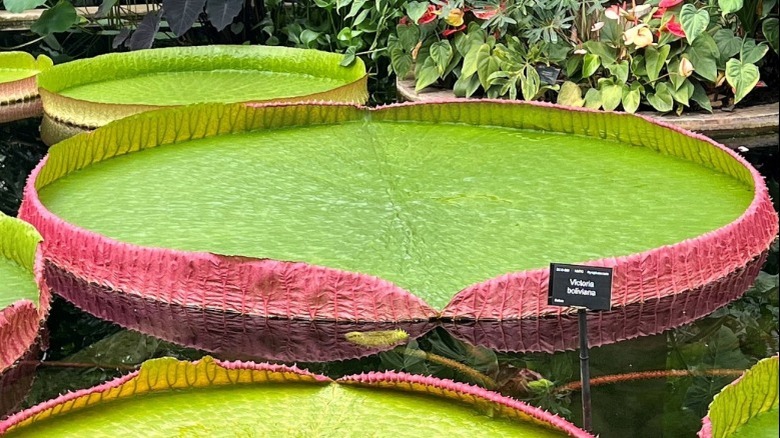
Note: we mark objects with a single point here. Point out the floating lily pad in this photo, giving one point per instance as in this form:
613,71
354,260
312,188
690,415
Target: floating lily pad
84,94
748,407
216,398
333,212
18,90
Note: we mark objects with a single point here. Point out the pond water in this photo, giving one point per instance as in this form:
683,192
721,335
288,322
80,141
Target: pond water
80,350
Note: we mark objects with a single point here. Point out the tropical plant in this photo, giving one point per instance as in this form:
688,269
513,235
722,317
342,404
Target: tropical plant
669,56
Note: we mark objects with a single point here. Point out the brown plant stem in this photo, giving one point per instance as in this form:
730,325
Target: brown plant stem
646,375
475,375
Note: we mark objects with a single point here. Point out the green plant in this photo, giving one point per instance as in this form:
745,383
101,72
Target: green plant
667,57
474,44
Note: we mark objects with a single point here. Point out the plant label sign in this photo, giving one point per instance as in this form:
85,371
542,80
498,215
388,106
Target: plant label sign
580,286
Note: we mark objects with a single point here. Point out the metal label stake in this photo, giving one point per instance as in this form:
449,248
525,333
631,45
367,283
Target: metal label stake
583,288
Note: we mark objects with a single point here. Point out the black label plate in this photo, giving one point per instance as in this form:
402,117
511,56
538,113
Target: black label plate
580,286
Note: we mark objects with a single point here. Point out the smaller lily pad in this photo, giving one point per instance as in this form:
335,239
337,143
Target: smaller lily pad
88,93
748,407
18,89
167,397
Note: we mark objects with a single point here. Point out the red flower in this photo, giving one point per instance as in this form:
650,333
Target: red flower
674,28
403,21
669,3
659,13
451,30
429,15
487,13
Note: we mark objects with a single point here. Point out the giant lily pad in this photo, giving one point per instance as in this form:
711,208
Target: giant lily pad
216,398
84,94
406,212
748,407
18,90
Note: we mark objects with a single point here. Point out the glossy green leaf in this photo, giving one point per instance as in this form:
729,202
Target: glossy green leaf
611,95
704,54
655,59
728,44
743,77
607,54
751,53
729,6
570,95
632,96
593,98
408,36
465,86
427,74
683,93
661,99
619,71
486,65
700,96
530,83
58,18
590,64
441,52
749,406
402,62
472,58
694,21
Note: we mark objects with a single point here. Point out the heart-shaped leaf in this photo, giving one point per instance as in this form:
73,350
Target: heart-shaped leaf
704,54
570,95
58,18
427,74
655,59
441,52
694,21
632,96
611,95
742,76
729,6
661,99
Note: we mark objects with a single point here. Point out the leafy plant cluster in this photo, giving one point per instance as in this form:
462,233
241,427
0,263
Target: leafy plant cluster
669,55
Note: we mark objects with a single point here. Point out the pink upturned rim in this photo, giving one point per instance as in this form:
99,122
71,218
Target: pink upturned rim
676,268
402,382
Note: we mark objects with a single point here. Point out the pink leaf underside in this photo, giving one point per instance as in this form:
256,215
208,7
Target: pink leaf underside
299,290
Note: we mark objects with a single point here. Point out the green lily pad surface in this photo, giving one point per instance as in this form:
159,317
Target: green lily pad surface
431,207
170,398
182,88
